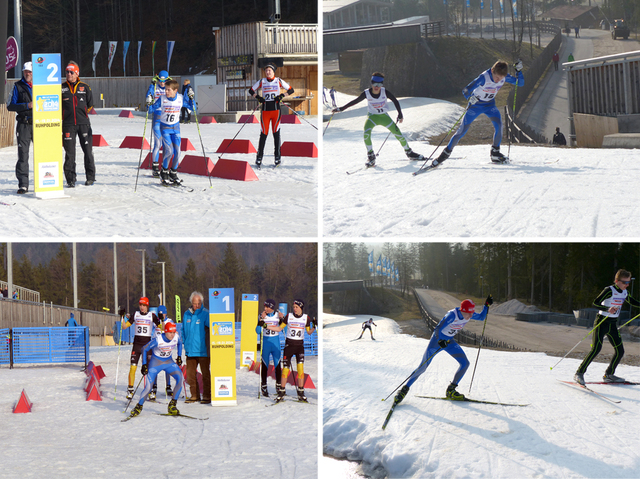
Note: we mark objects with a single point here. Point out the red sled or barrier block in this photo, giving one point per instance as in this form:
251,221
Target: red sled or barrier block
23,404
196,165
290,119
248,119
233,170
126,114
134,142
89,368
293,380
146,164
186,145
90,380
93,111
94,392
98,140
299,148
236,146
100,372
207,119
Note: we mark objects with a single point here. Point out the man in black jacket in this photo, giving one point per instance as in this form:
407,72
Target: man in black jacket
558,138
77,101
22,102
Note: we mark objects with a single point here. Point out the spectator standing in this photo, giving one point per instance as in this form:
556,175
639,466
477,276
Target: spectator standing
195,333
21,102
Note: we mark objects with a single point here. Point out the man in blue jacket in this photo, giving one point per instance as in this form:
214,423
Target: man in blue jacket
22,103
195,335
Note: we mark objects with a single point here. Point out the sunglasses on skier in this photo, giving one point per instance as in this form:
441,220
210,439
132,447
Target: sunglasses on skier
378,84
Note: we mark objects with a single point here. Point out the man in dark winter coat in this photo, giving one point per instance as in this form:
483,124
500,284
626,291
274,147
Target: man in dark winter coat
22,103
558,137
77,101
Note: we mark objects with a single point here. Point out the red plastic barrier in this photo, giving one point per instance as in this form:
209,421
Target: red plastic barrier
126,114
23,404
236,146
290,119
196,165
186,145
98,140
233,170
207,119
134,142
94,392
248,119
299,148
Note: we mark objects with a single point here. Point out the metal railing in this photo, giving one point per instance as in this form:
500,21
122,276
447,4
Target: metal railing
23,293
44,345
292,38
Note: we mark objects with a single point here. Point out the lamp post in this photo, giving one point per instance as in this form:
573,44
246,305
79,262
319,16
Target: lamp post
144,285
163,296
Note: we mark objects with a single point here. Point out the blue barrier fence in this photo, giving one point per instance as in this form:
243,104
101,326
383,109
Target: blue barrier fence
44,345
310,341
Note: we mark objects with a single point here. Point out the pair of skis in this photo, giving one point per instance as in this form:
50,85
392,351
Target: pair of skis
479,401
172,415
575,385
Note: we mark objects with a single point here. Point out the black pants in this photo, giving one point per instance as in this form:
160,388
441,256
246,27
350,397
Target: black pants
86,143
185,115
24,135
608,328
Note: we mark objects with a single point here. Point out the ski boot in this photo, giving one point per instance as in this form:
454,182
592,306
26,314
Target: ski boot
164,176
172,409
443,157
280,389
498,157
173,176
259,161
130,392
281,395
611,378
371,159
301,396
453,394
264,390
169,391
136,410
152,396
412,155
155,170
277,161
579,378
400,396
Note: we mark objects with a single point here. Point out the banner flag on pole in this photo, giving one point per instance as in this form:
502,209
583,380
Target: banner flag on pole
124,57
139,48
96,48
112,53
515,9
379,265
170,46
371,262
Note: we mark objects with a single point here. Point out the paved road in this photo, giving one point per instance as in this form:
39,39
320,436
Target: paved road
549,108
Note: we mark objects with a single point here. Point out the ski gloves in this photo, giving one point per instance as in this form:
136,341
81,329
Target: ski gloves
473,100
518,65
179,361
261,323
443,344
121,311
489,301
150,100
279,97
260,99
144,370
191,93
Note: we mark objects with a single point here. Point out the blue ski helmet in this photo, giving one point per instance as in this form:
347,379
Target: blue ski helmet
163,75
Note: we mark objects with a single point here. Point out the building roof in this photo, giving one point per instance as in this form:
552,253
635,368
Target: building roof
329,6
567,12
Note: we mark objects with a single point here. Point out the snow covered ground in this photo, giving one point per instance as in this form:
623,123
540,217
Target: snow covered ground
545,192
562,433
66,436
286,197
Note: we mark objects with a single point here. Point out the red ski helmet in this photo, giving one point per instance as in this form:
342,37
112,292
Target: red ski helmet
467,306
170,327
144,301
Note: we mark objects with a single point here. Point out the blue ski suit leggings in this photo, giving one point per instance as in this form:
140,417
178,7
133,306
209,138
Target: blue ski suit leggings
171,140
155,366
452,348
472,113
157,138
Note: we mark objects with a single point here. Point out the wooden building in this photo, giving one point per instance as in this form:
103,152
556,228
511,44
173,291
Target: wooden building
355,13
243,49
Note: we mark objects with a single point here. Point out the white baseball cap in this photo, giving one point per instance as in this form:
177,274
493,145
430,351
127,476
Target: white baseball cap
27,66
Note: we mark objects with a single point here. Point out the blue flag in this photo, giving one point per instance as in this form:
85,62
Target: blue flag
124,57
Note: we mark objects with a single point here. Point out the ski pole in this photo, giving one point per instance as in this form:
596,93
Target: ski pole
385,140
327,127
134,394
195,112
299,116
115,391
445,136
603,318
260,375
635,317
254,110
515,93
144,132
423,362
479,348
